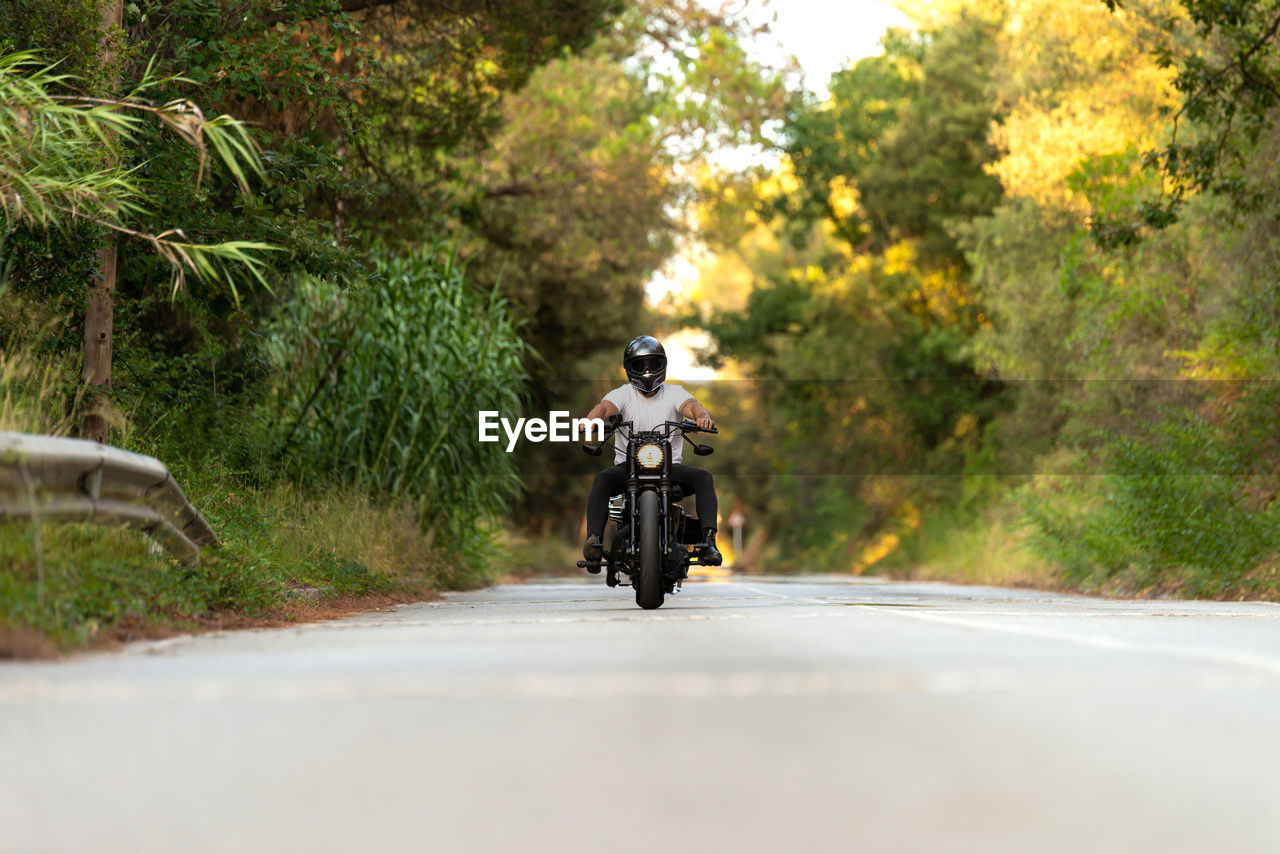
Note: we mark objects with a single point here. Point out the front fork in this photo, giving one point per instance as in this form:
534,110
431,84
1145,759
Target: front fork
664,525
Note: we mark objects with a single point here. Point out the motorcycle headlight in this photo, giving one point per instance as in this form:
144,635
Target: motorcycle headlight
649,456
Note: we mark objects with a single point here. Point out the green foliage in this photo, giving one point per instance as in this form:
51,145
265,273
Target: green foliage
44,272
399,503
581,197
72,28
37,390
390,378
1224,53
974,231
76,583
288,69
1189,502
443,74
1095,291
73,581
1120,195
909,129
573,223
59,164
862,317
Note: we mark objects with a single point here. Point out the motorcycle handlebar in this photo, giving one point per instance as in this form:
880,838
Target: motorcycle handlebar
690,426
615,423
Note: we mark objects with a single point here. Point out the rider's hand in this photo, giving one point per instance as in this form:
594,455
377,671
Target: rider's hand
706,423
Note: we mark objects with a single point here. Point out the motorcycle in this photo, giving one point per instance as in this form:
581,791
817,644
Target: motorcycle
655,541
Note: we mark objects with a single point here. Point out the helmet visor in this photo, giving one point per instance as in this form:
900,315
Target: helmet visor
647,364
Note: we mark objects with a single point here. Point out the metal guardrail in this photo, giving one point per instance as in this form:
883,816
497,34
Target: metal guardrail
42,477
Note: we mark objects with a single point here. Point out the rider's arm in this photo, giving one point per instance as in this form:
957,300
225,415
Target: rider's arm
602,410
692,409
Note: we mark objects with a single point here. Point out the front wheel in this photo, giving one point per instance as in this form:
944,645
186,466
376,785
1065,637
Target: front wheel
649,592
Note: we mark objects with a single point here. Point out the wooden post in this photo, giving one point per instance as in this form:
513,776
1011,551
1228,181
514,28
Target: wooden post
98,322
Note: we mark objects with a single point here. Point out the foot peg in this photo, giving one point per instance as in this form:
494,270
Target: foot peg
591,566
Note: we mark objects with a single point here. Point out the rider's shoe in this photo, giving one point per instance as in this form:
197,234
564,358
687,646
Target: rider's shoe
593,551
710,555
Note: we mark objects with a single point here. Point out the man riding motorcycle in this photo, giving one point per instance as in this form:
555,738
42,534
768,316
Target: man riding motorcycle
647,401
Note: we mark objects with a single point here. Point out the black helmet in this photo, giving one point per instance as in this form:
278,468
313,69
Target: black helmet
646,363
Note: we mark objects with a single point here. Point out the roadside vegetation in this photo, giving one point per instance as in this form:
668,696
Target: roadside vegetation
1018,278
999,308
317,237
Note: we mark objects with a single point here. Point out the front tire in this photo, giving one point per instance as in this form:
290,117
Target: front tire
649,592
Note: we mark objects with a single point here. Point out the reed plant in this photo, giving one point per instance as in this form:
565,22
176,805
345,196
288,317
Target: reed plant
381,384
61,163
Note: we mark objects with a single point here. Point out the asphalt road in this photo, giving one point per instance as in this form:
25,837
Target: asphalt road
807,715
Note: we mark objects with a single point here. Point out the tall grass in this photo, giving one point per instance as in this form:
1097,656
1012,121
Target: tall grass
382,384
67,586
29,395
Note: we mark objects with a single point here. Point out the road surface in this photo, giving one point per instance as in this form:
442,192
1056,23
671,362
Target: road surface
756,715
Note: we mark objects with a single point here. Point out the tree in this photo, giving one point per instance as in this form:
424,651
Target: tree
61,167
862,315
590,183
198,194
99,334
58,167
900,152
1228,76
443,71
592,179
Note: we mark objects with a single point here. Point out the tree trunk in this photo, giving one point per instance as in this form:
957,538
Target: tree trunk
97,345
98,321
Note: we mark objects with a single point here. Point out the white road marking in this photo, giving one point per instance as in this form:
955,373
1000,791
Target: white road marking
1263,663
760,591
1101,609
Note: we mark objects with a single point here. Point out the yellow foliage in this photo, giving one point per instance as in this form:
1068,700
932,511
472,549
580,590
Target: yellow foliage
843,198
726,278
966,427
1221,359
900,258
782,182
907,518
1080,81
875,551
941,292
930,14
1044,147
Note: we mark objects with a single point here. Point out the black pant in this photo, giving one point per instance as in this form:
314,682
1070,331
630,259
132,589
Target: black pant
613,481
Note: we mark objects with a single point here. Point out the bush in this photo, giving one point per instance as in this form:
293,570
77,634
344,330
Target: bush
1188,503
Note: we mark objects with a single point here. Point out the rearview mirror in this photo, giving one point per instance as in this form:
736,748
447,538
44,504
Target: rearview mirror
703,450
593,449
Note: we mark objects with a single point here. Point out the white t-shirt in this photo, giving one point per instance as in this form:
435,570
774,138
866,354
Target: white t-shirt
648,413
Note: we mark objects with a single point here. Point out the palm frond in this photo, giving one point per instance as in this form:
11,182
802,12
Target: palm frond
60,163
